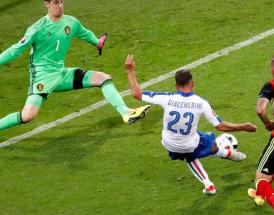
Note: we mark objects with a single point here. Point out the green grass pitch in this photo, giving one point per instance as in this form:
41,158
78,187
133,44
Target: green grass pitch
95,164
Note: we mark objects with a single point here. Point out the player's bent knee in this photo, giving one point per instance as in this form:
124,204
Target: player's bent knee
261,176
99,78
105,77
29,113
27,117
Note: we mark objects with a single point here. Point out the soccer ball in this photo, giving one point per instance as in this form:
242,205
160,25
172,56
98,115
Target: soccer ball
227,141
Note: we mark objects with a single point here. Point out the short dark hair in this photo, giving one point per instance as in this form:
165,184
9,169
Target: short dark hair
182,77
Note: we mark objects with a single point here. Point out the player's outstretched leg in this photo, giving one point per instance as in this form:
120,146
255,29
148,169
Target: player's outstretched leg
115,99
10,120
227,153
199,172
265,190
28,113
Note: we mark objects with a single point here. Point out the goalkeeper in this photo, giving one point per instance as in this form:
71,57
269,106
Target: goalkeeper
50,39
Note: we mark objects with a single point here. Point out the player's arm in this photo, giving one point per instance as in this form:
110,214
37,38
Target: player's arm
87,35
132,80
265,96
228,126
220,125
157,98
262,113
17,49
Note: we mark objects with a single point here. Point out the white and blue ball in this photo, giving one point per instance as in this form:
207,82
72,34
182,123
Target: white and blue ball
227,141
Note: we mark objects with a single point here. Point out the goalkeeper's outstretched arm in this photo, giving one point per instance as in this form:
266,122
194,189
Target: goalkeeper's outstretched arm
16,50
132,80
87,35
11,53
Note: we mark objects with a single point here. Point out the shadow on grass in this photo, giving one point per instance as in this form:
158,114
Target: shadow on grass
218,204
11,5
72,144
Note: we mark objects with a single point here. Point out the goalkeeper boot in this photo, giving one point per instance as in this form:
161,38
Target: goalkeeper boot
258,200
211,190
101,43
135,114
236,156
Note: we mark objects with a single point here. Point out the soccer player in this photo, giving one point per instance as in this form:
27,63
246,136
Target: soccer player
182,111
50,38
265,169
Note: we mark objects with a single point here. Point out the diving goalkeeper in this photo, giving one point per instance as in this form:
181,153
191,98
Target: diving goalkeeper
50,39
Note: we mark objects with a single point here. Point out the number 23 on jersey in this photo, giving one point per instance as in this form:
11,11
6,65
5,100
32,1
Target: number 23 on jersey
187,126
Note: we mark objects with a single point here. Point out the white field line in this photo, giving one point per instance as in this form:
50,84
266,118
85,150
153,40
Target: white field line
153,81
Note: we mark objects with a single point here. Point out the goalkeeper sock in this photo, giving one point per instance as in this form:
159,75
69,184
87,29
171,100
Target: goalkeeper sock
114,97
10,120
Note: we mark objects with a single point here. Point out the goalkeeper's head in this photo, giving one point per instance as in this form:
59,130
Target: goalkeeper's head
55,8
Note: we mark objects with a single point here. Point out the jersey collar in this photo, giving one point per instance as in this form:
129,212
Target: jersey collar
185,94
47,16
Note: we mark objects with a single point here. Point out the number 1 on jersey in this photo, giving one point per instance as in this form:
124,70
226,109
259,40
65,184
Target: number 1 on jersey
57,46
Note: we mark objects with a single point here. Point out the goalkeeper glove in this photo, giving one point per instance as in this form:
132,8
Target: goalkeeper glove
101,43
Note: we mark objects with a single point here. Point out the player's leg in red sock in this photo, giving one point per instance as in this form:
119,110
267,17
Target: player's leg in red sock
264,188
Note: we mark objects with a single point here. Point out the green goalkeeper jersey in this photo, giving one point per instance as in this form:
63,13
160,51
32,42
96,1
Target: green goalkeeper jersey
50,41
